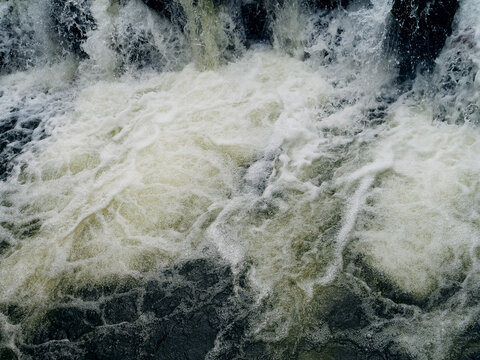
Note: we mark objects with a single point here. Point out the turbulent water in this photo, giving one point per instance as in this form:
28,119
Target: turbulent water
178,185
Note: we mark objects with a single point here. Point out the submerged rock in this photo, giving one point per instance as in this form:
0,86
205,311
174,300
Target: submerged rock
417,33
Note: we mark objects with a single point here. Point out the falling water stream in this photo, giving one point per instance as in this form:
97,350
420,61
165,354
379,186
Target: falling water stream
173,190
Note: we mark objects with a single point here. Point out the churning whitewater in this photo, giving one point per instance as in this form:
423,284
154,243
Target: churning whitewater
239,179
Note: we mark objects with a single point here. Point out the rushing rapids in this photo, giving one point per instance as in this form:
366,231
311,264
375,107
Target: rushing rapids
239,179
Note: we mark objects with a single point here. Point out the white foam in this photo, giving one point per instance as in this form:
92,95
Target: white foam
422,219
122,186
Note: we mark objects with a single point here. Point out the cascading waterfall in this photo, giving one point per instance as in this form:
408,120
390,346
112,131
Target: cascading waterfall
223,179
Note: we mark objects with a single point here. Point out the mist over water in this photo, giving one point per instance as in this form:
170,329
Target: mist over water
178,182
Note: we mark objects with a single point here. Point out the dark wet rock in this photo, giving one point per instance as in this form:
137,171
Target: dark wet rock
328,4
7,154
165,7
467,345
177,313
341,308
72,20
194,305
256,22
15,132
31,124
344,350
53,350
347,313
121,308
124,341
193,339
174,338
471,351
67,322
349,322
4,246
21,229
15,313
7,354
417,33
252,350
199,272
156,301
8,124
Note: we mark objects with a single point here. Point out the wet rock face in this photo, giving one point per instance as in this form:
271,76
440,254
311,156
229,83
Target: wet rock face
417,33
256,22
72,20
177,314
